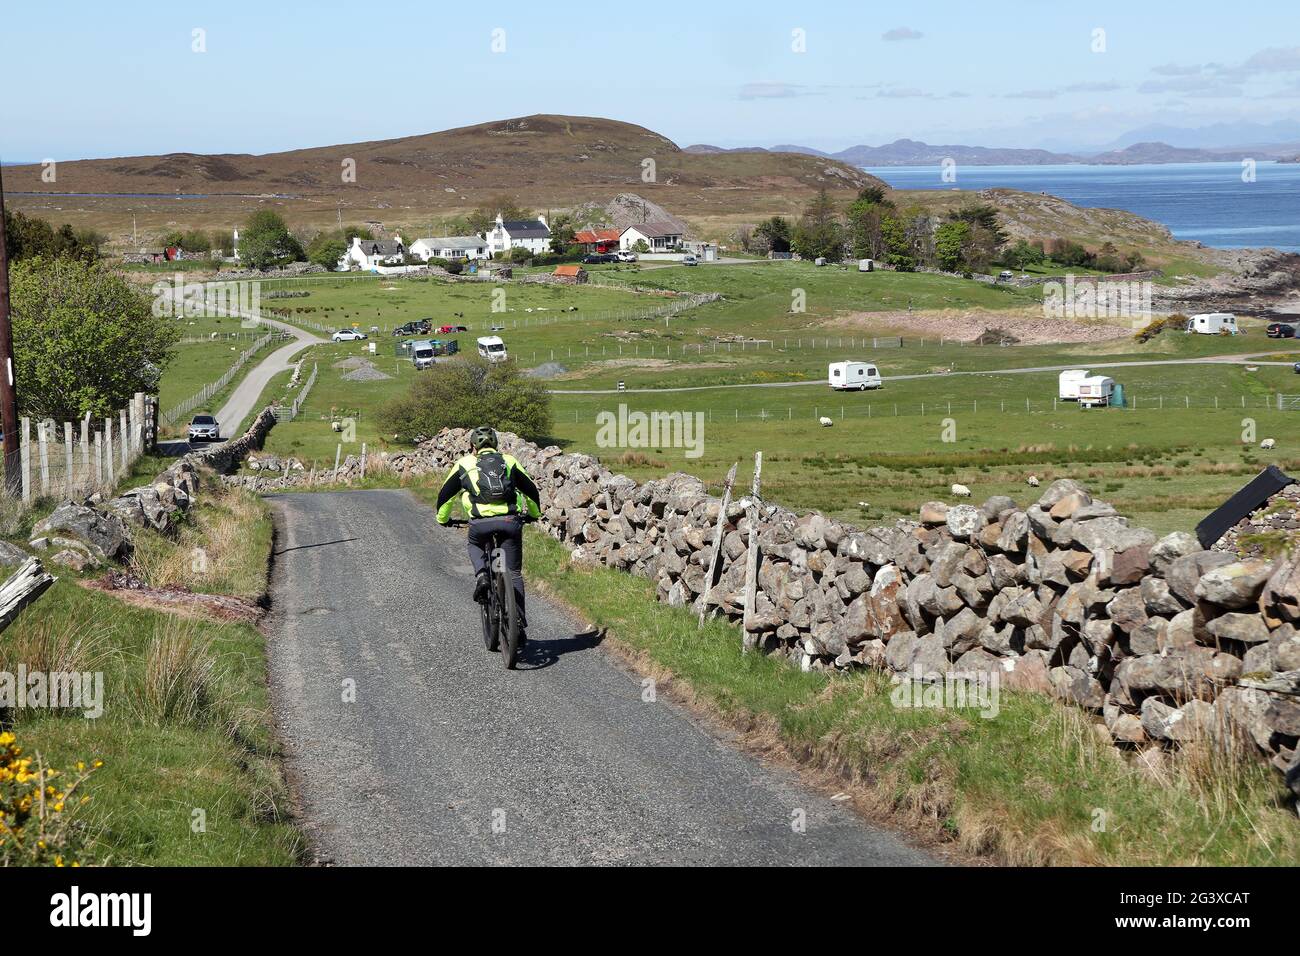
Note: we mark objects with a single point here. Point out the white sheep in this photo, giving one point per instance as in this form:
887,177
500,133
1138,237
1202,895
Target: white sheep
1267,443
826,422
1032,481
864,504
960,491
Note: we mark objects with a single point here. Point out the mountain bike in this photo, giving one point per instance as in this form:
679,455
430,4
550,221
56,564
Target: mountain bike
500,612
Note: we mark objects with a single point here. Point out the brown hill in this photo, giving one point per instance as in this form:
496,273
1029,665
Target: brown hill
545,160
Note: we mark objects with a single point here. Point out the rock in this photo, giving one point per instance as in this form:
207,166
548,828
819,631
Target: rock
1128,729
1234,585
964,521
104,535
1247,628
1162,721
1170,548
1158,598
73,558
1184,573
1074,685
1284,648
1111,534
11,554
901,650
934,512
1058,490
1068,504
1015,529
1280,600
995,506
1127,610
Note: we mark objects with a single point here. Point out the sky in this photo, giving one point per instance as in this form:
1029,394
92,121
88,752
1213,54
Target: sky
113,79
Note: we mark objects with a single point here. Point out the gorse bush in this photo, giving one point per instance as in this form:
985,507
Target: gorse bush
467,393
38,804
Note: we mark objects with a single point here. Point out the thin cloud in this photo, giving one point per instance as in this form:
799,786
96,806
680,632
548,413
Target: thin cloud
773,91
901,33
1032,95
1094,87
903,93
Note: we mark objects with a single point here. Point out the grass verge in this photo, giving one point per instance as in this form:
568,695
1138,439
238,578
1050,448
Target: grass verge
191,773
1033,785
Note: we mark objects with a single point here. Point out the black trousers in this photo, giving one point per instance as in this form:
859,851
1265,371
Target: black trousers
509,531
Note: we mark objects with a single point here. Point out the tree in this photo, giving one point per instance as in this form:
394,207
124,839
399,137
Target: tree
173,238
898,249
196,240
467,393
865,214
482,218
327,248
640,247
265,241
949,243
819,233
1023,254
775,232
27,237
85,341
562,233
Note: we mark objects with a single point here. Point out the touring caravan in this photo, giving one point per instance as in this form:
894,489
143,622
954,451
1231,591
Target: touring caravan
1095,391
1070,379
1213,323
845,376
492,348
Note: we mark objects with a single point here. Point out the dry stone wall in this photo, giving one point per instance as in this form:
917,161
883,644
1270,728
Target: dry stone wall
1163,641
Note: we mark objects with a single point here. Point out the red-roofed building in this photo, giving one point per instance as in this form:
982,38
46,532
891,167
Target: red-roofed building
598,240
570,274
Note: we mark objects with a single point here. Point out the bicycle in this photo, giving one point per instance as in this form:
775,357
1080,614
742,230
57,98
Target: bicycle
500,612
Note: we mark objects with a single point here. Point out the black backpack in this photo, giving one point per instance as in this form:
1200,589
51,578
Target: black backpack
496,486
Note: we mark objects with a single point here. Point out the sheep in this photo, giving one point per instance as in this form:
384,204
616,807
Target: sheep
1267,443
826,422
960,491
864,504
1032,481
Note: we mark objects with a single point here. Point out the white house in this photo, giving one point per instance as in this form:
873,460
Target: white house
366,254
659,236
530,234
450,247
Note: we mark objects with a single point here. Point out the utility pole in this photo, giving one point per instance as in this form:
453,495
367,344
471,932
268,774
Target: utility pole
8,388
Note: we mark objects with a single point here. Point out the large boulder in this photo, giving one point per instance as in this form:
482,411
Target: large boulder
104,536
1234,585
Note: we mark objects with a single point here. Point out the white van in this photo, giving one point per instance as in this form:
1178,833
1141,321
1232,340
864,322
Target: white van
422,354
1070,379
492,348
1095,391
1213,323
845,376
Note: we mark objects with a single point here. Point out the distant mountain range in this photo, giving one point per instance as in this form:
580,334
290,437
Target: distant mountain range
910,152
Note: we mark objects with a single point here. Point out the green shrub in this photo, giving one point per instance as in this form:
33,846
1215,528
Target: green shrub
467,393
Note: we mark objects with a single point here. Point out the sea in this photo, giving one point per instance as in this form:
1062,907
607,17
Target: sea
1220,204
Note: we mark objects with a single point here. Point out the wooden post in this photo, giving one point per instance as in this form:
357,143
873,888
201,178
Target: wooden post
99,459
21,588
85,452
108,451
363,461
711,572
44,446
751,555
26,452
67,458
124,440
338,452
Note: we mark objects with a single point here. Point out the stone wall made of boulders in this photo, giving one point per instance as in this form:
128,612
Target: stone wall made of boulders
1163,641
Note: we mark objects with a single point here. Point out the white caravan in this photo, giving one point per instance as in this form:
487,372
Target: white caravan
492,348
1095,390
1070,379
853,375
1213,323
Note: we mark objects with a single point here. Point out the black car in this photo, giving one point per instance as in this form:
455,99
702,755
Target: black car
596,258
413,328
1280,330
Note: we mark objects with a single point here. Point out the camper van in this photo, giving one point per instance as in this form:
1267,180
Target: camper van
422,354
1070,379
853,375
1213,323
492,348
1095,391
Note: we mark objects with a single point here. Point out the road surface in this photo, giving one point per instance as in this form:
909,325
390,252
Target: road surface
1247,359
233,415
445,757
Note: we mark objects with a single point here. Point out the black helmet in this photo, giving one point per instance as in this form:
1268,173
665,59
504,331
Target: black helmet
482,437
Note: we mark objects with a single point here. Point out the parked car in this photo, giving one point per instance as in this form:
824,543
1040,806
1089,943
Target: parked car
348,335
595,258
1006,275
1280,330
626,255
421,327
690,260
451,329
204,428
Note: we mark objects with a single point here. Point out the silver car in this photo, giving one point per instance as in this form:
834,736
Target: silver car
204,428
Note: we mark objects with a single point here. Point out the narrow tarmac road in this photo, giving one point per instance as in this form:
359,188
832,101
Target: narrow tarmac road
445,757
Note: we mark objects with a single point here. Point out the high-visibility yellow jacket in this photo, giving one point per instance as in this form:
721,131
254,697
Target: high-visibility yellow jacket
462,480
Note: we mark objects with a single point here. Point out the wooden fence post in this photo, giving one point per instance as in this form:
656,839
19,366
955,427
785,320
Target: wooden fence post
26,450
124,440
108,451
67,459
43,444
710,573
85,452
338,452
751,556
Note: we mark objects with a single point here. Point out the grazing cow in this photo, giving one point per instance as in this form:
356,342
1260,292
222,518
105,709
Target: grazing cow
960,491
826,422
1032,481
1267,443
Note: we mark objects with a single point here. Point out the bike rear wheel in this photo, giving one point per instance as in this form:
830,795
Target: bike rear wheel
488,611
509,621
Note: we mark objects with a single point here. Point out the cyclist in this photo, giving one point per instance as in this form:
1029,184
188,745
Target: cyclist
496,492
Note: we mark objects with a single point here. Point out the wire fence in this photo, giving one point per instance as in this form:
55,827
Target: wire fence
75,459
288,413
175,414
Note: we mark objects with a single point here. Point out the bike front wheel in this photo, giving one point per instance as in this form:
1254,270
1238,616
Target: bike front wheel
488,612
